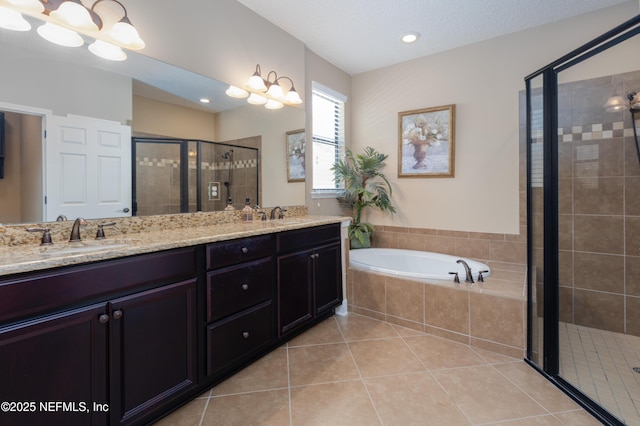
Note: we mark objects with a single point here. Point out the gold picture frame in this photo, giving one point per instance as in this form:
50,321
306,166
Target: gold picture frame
426,142
296,148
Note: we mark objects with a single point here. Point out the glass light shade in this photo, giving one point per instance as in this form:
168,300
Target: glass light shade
256,99
60,35
13,20
107,51
256,83
236,92
32,6
615,104
293,97
275,91
125,34
74,15
273,104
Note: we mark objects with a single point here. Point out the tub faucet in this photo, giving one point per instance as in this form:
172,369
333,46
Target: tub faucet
75,230
467,270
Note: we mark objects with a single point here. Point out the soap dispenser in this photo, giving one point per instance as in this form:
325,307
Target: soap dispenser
229,205
247,211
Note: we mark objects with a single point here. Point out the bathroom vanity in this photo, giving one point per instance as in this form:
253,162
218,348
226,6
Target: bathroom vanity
140,329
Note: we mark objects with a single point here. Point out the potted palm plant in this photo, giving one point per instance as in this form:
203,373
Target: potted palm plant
364,186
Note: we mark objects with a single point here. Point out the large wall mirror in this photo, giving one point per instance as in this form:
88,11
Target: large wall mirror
153,98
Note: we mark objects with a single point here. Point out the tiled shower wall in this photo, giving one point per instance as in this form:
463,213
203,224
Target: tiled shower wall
599,207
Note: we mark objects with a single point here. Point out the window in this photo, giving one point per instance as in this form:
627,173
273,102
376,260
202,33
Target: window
328,136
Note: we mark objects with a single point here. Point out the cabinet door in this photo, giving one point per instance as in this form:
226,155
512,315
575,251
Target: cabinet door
152,350
57,359
328,278
294,290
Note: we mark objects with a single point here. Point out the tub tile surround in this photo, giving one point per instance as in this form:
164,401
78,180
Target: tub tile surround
490,315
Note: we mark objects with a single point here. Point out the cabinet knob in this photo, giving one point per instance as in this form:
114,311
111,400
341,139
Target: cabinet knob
245,287
245,334
245,250
103,319
117,314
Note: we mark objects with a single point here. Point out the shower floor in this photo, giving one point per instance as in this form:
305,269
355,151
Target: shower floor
600,364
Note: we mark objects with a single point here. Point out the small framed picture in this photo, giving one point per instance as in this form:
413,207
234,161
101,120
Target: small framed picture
296,148
426,140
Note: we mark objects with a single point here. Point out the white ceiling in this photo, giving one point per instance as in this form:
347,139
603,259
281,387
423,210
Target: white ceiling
362,35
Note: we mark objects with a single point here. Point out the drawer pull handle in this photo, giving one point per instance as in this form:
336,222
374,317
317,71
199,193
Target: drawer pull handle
245,287
245,250
245,334
117,314
103,319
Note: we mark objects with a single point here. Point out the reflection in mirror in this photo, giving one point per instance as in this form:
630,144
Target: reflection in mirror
180,176
62,81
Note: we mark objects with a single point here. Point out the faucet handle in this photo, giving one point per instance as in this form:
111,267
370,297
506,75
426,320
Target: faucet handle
46,235
100,233
480,277
456,279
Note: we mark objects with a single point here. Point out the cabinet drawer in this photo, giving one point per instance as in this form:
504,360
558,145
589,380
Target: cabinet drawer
301,238
231,290
231,340
232,252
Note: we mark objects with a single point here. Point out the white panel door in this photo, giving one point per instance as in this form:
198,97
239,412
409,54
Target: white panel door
87,169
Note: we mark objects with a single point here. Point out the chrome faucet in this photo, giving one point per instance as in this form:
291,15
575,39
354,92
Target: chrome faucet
467,270
75,231
273,213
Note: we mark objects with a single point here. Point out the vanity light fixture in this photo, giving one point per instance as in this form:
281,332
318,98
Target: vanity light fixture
67,20
267,92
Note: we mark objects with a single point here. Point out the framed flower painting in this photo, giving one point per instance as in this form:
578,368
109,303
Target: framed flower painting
296,147
426,141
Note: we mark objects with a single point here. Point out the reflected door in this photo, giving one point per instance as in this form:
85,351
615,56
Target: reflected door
88,168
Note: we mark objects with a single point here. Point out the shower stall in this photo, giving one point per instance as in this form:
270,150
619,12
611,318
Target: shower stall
583,191
181,176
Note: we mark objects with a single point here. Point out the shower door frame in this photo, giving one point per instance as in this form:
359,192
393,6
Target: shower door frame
184,168
551,315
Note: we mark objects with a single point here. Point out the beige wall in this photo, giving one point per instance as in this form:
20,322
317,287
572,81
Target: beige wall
321,71
153,117
483,80
64,89
254,120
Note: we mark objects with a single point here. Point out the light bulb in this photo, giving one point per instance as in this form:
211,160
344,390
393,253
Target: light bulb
74,15
125,34
256,99
13,20
236,92
60,35
107,51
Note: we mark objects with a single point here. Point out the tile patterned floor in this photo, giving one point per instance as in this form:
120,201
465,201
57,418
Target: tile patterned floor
600,363
359,371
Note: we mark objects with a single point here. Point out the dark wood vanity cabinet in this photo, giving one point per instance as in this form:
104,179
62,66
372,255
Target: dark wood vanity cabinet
240,305
124,341
126,356
309,275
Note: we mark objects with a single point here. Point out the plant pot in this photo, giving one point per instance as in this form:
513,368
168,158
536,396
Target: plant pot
356,244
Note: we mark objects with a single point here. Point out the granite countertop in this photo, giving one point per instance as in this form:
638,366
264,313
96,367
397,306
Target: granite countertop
26,258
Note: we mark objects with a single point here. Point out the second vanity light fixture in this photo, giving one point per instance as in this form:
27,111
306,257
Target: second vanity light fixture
267,92
65,19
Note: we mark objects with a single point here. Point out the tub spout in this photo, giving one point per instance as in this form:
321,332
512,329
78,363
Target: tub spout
467,270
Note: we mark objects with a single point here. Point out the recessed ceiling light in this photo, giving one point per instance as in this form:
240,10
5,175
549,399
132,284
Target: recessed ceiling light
205,100
410,37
